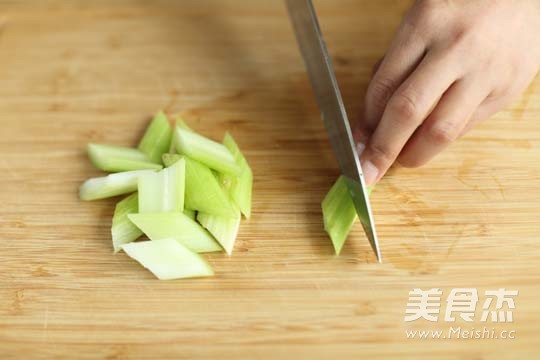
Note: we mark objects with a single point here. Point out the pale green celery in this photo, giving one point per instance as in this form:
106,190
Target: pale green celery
192,214
163,191
339,213
169,159
157,138
208,152
167,259
204,193
224,229
181,124
177,226
117,158
239,187
111,185
123,231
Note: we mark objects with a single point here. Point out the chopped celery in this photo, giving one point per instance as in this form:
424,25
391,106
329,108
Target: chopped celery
169,159
123,231
111,185
192,214
181,124
210,153
239,187
203,191
163,191
339,213
157,138
177,226
224,229
167,259
118,158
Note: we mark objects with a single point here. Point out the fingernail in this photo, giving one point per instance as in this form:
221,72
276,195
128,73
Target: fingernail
370,172
360,148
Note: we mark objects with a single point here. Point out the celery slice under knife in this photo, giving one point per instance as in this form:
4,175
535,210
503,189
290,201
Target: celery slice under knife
111,185
123,231
157,138
167,259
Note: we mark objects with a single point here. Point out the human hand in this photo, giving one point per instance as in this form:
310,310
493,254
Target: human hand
451,64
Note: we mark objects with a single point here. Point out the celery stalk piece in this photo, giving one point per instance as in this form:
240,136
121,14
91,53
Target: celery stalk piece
169,159
224,229
203,191
167,259
239,187
192,214
123,231
163,191
177,226
111,185
118,158
181,124
339,213
208,152
157,138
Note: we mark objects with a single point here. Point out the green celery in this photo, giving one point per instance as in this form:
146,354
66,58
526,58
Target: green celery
177,226
117,158
224,229
111,185
167,259
163,191
123,231
210,153
203,191
157,138
239,187
181,124
192,214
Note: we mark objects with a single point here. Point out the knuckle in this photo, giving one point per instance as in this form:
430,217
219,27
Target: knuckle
382,153
405,106
380,92
426,13
442,134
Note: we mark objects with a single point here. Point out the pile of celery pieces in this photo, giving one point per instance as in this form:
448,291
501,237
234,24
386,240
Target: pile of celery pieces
187,195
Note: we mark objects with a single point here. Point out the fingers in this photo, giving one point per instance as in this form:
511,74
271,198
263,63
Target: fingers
404,54
444,124
410,104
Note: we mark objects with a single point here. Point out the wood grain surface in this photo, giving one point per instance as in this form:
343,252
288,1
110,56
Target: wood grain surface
73,72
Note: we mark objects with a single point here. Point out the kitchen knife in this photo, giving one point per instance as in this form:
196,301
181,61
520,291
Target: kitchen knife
325,86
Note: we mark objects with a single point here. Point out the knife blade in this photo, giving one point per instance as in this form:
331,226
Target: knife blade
323,81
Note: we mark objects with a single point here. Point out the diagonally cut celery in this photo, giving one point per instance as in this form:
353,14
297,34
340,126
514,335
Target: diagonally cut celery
157,138
239,187
210,153
181,124
167,259
177,226
203,191
163,191
224,229
339,213
117,158
123,231
192,214
111,185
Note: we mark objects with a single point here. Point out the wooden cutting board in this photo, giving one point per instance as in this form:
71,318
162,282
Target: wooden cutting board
77,72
